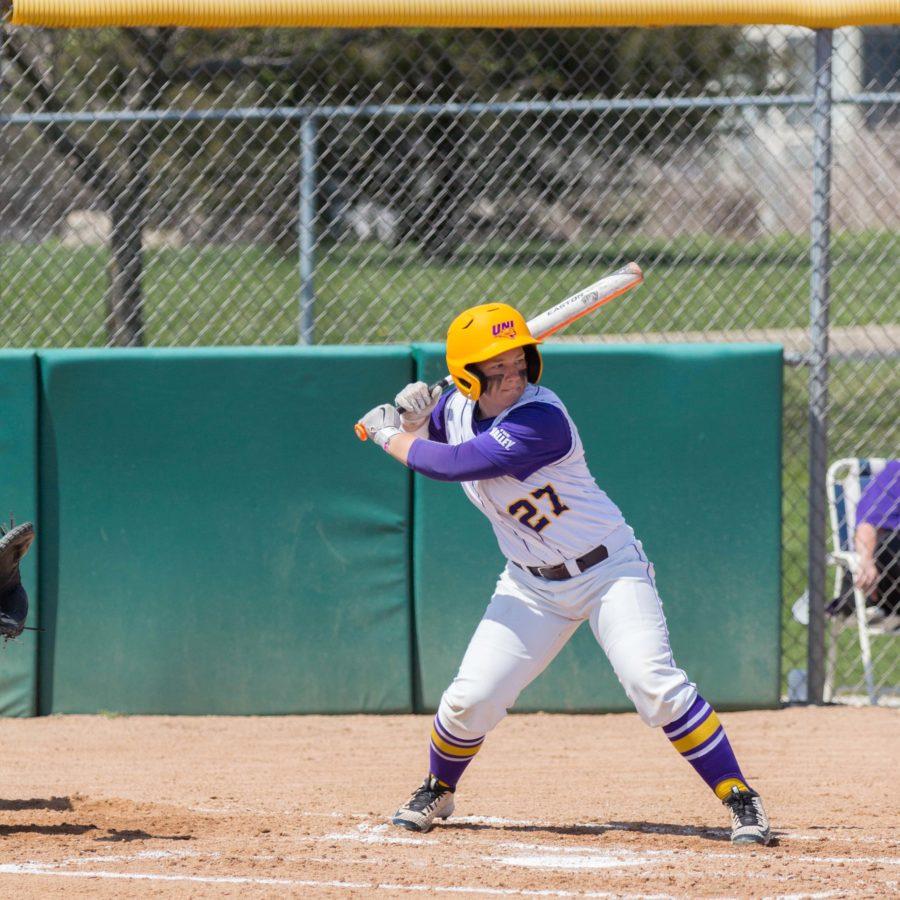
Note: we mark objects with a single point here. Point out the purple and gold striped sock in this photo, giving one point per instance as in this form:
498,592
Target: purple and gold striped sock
448,756
700,738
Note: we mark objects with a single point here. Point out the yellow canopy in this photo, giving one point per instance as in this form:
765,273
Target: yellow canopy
451,13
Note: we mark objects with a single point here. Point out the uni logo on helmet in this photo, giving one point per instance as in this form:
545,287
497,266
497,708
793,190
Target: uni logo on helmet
504,329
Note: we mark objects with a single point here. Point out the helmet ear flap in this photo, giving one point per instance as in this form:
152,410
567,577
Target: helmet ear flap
533,362
476,387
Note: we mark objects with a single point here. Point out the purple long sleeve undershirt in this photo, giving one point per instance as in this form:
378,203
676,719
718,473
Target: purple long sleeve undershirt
529,438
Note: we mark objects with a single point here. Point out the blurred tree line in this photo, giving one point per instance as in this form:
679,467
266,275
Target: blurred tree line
239,179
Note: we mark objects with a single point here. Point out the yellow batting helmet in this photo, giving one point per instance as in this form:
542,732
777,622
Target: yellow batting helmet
482,332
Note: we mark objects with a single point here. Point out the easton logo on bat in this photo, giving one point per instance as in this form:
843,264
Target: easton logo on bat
504,329
585,299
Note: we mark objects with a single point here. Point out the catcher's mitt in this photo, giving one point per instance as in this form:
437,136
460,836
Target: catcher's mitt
14,544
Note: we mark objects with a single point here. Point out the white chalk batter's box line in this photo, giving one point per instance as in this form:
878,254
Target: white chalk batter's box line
553,857
548,857
48,870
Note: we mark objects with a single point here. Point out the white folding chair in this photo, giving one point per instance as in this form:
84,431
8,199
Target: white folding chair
846,481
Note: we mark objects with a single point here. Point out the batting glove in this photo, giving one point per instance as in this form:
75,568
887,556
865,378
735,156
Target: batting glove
381,424
417,402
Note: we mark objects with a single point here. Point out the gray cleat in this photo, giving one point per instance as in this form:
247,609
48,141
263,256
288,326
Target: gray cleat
749,822
429,802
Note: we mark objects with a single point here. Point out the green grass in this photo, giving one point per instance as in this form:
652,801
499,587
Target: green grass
52,296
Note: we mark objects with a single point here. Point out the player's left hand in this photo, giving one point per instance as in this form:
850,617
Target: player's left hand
381,423
417,400
14,544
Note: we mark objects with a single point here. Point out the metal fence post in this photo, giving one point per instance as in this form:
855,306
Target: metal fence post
306,227
820,261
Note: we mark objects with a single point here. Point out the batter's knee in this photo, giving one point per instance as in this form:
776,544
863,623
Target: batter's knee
660,693
469,710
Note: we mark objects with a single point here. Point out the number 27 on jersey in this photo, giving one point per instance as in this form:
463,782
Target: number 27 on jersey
532,516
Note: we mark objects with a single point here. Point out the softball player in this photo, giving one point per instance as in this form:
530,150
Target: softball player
570,556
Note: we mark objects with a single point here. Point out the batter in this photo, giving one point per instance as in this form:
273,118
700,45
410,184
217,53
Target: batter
571,557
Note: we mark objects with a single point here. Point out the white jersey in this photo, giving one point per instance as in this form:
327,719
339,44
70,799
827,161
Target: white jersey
556,514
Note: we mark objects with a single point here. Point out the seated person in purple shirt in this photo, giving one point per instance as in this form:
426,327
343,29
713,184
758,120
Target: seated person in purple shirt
877,540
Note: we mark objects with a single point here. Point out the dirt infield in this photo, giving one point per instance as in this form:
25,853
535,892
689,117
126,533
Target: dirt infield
555,806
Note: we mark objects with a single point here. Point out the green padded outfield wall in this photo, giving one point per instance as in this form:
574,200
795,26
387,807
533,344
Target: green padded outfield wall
215,539
687,441
19,496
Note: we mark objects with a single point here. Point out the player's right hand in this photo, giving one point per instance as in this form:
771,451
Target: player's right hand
867,576
417,402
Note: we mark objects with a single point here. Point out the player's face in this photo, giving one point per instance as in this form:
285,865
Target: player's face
506,376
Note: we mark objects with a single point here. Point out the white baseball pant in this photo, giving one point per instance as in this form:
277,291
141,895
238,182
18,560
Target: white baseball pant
529,620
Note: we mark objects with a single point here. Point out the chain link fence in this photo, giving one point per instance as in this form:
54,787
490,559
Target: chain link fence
175,187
